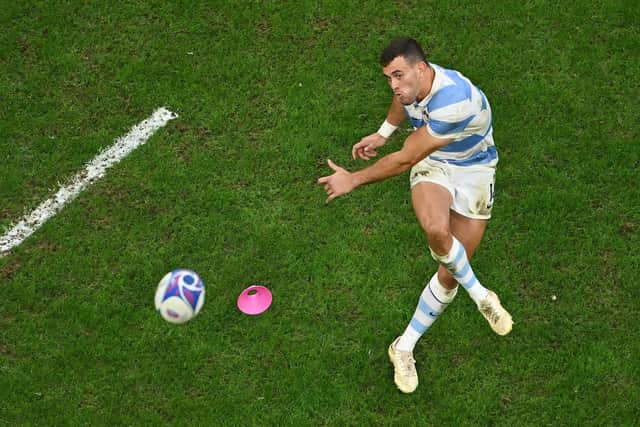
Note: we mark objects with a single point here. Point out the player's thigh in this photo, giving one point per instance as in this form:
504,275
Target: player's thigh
468,231
431,204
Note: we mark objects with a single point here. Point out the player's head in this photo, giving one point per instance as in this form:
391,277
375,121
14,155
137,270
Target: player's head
406,47
405,66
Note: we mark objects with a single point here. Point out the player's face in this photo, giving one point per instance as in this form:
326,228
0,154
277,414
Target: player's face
404,79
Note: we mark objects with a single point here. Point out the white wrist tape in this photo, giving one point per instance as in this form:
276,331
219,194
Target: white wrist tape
387,129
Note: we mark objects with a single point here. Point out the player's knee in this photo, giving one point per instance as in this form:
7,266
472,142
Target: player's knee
438,236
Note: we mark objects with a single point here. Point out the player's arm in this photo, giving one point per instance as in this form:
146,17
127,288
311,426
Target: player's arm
416,147
366,147
396,113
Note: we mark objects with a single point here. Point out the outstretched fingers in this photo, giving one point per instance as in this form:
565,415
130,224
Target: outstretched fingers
336,184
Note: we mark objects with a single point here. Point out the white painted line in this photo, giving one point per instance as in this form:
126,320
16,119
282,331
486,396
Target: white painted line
94,170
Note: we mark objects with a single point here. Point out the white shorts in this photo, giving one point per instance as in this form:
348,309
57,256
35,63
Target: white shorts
472,187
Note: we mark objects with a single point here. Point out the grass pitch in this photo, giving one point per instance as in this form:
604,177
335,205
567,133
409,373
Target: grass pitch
265,93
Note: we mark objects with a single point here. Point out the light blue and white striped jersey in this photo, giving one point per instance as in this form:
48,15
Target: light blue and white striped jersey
456,109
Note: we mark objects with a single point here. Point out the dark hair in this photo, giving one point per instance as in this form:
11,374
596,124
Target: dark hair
405,47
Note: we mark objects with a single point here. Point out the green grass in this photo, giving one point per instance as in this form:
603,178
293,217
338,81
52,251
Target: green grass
265,93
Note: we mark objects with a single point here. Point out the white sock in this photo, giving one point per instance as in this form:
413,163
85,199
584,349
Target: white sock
434,300
457,263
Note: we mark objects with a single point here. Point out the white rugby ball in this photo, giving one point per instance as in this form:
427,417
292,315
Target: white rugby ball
179,296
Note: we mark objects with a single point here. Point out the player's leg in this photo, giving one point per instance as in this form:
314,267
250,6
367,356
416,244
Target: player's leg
471,209
431,203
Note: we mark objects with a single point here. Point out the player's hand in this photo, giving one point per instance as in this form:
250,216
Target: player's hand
341,182
366,148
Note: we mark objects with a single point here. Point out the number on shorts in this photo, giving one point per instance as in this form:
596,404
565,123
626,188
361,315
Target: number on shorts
492,193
